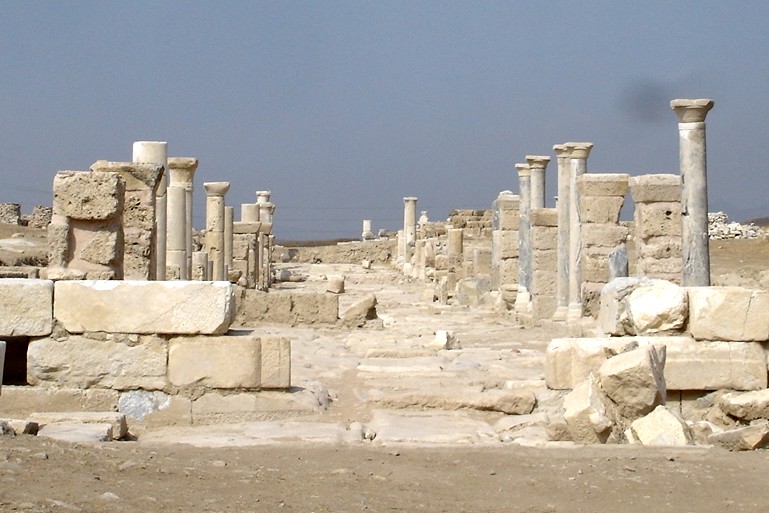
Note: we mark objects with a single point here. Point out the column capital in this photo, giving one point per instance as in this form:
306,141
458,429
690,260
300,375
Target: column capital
182,163
410,198
216,188
537,161
523,169
181,171
578,150
691,111
263,196
561,150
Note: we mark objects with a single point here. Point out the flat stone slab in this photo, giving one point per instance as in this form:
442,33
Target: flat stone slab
77,432
26,307
430,428
117,421
403,366
144,307
249,434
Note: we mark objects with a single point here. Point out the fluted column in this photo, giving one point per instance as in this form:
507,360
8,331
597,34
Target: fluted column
562,256
694,190
181,173
215,192
156,152
578,153
537,167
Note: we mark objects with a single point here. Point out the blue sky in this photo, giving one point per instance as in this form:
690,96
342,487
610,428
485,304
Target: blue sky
343,108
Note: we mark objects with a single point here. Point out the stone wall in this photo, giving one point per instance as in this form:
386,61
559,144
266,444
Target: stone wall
10,213
475,223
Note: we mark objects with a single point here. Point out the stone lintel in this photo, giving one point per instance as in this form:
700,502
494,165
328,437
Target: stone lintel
603,184
137,176
653,188
691,111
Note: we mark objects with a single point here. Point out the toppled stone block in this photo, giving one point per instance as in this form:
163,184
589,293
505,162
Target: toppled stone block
657,306
444,339
613,315
472,291
77,432
569,361
117,421
586,413
745,406
361,311
335,284
748,438
215,362
162,307
661,427
634,380
26,307
731,314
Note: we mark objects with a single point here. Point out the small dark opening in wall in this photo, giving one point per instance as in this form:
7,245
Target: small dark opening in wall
15,366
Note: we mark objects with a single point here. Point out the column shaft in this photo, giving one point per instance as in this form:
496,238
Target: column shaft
156,152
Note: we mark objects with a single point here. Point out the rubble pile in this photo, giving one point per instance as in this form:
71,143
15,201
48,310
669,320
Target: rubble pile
719,227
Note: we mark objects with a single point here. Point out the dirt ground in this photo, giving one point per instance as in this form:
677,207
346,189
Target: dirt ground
42,475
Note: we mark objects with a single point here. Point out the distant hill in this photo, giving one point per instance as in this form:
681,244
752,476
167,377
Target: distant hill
758,221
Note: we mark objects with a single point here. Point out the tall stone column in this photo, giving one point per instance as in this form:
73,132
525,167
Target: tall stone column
537,166
181,174
410,221
694,190
215,192
578,153
562,256
229,222
156,152
524,237
176,245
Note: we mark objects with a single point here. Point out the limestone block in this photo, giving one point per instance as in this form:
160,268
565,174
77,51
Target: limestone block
509,242
635,380
603,235
215,362
613,316
728,313
335,284
657,306
103,247
569,361
509,213
77,432
23,400
137,176
545,260
668,268
600,209
284,307
654,188
23,427
745,406
90,196
748,438
116,420
276,363
659,248
595,266
26,307
662,427
361,311
544,217
239,227
58,241
658,219
543,282
603,184
544,238
162,307
473,291
508,271
585,412
111,362
692,365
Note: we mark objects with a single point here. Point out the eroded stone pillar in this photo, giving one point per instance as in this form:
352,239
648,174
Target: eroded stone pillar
229,222
537,166
694,189
562,256
156,152
410,220
578,153
524,237
266,209
215,192
182,174
176,245
367,234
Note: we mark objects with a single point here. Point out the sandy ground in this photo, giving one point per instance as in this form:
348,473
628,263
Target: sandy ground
386,381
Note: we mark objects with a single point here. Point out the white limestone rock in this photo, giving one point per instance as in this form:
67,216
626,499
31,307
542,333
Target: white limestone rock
77,432
215,362
361,311
658,306
745,406
335,284
613,316
116,421
661,427
634,380
569,361
586,413
26,307
162,307
748,438
731,314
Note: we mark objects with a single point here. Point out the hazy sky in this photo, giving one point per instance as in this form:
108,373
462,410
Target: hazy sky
343,108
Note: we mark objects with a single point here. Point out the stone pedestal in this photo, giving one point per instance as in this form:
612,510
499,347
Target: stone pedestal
156,152
181,174
215,192
694,190
578,154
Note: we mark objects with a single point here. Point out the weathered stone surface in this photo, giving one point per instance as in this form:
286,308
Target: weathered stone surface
215,362
544,217
114,419
361,311
83,362
335,284
657,306
585,412
472,291
26,307
732,314
603,184
692,365
654,188
77,432
658,219
509,402
745,406
276,363
84,195
613,316
569,361
137,176
215,407
20,401
603,235
600,209
283,307
162,307
662,427
23,426
755,436
634,380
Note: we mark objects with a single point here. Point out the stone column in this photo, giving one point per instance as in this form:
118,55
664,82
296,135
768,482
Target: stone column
367,234
410,220
199,268
694,190
229,221
156,152
176,247
215,192
537,165
578,153
181,174
562,256
266,209
249,213
524,237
